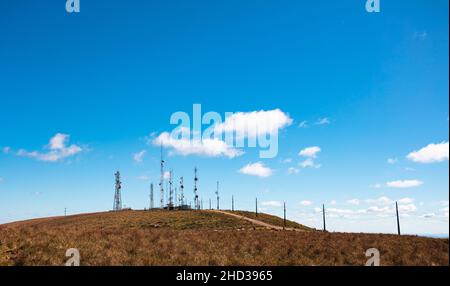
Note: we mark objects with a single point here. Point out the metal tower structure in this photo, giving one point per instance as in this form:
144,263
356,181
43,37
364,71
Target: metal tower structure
117,196
323,213
161,180
170,204
196,202
217,194
398,218
181,191
151,196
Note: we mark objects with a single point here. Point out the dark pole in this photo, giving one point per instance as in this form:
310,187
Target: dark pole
284,222
256,210
323,211
398,219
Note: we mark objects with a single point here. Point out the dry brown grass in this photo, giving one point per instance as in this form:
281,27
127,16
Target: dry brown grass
199,238
270,219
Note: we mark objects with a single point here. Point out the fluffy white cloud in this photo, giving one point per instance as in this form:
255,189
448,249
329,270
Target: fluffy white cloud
306,203
273,204
57,150
138,157
310,152
207,147
250,124
293,170
354,202
407,208
432,153
403,184
333,202
309,163
256,169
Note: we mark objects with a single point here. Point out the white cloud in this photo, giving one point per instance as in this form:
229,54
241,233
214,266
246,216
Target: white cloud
354,202
380,201
251,124
207,147
407,208
323,121
376,186
403,184
287,160
309,163
405,201
333,202
306,203
310,152
293,170
433,153
57,150
166,175
273,204
138,157
392,161
303,124
256,169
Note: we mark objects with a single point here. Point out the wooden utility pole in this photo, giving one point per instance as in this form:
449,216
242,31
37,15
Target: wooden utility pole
398,218
323,212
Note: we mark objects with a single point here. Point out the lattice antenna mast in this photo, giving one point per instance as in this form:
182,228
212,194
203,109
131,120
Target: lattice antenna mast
151,196
181,191
217,195
197,205
117,196
170,189
161,180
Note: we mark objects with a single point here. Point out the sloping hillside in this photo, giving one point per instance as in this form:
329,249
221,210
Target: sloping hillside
199,238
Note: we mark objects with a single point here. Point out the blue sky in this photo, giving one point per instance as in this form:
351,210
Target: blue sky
364,88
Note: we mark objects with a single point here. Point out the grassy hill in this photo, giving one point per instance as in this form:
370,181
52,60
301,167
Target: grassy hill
200,238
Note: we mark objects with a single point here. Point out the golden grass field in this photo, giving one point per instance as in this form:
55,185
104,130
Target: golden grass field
201,238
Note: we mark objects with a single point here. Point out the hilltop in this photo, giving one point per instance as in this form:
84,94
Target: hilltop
202,238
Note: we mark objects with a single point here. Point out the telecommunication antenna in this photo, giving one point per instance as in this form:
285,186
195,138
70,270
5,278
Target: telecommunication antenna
217,194
181,191
210,207
256,212
284,218
161,180
197,205
117,196
151,196
65,211
232,203
170,190
323,213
